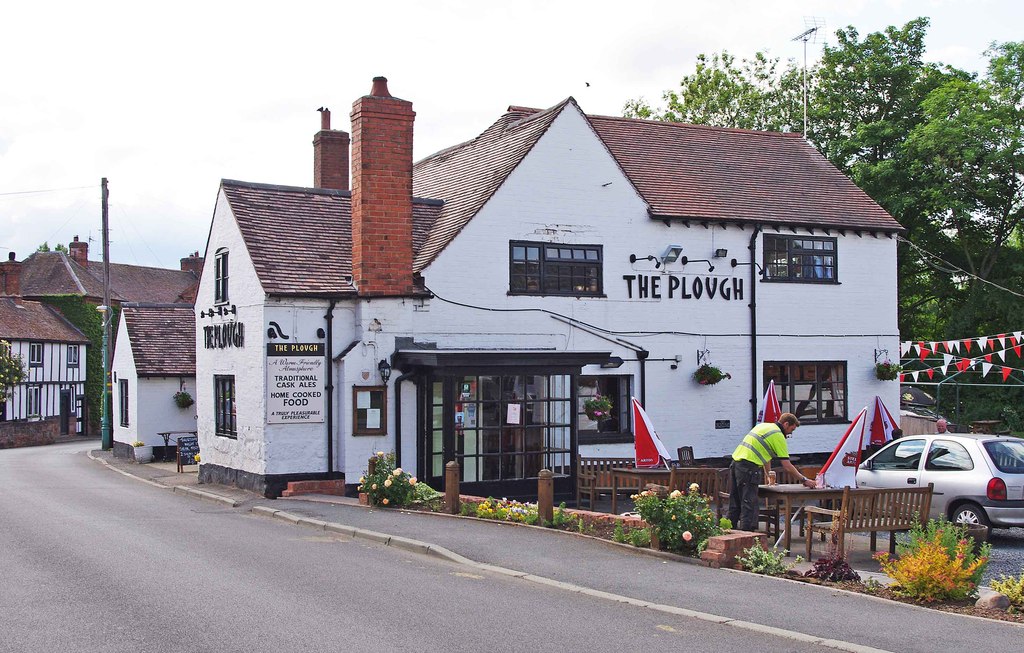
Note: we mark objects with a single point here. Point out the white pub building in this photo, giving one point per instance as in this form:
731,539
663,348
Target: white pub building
464,307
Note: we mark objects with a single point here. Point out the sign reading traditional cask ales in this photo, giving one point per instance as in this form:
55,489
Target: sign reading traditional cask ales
295,382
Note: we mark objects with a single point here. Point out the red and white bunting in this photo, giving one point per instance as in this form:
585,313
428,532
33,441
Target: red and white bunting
904,347
985,368
1001,354
913,375
1006,373
967,343
983,343
1002,340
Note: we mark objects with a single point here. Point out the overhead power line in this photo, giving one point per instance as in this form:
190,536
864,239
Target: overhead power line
953,268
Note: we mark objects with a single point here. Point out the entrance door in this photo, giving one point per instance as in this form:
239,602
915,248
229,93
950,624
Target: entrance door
65,411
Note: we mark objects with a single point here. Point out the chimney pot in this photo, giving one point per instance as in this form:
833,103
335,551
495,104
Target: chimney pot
325,118
380,87
10,256
79,252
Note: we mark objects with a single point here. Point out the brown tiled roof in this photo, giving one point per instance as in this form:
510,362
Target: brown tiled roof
56,273
22,319
163,338
138,283
300,239
711,173
465,176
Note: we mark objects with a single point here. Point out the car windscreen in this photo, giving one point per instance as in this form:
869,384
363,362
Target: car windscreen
1008,455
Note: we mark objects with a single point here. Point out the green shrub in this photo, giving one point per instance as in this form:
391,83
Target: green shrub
682,522
640,537
725,524
388,485
619,534
1012,587
937,564
770,562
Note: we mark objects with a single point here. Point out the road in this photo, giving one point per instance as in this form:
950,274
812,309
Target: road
93,561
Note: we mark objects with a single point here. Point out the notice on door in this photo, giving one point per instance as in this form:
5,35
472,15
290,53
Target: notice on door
295,382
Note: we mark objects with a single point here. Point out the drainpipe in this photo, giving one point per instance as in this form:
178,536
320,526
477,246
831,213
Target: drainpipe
329,387
754,392
398,420
642,357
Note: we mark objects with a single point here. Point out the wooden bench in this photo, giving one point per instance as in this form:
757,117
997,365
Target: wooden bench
870,511
594,476
708,478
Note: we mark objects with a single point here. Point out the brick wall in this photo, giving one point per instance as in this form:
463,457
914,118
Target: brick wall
29,434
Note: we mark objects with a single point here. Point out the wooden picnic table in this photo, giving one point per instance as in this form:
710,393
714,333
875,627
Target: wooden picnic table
790,494
645,475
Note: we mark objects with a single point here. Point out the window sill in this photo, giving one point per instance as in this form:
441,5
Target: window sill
810,282
232,436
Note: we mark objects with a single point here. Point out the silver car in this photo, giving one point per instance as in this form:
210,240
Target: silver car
979,479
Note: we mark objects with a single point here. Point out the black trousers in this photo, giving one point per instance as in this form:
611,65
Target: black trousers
743,504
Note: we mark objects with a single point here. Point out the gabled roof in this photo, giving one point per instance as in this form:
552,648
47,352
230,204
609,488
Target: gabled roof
162,337
737,175
300,239
56,273
27,320
465,176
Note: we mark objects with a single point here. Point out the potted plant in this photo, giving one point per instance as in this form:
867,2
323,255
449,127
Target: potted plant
598,408
143,453
708,374
183,399
887,370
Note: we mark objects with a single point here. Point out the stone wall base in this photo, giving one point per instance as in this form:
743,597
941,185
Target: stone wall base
29,434
269,485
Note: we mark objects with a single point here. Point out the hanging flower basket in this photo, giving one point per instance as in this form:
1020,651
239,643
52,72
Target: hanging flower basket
598,408
887,371
708,374
183,399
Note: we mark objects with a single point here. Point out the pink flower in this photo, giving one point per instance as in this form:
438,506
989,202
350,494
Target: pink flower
687,536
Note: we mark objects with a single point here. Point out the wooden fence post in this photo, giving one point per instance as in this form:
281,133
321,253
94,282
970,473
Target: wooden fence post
451,488
371,466
545,496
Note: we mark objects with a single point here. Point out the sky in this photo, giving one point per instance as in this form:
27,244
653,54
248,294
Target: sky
165,100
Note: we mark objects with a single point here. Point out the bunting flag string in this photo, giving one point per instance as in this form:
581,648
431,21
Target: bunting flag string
1015,338
983,363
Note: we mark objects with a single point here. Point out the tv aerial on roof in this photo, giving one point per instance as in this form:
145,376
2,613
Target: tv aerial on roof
814,26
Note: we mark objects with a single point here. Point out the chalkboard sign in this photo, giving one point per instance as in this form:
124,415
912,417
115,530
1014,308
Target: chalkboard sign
188,447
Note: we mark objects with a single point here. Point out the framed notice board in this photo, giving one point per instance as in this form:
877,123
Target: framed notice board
369,410
188,447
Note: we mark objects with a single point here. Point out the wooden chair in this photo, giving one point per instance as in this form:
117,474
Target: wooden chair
870,511
706,477
685,456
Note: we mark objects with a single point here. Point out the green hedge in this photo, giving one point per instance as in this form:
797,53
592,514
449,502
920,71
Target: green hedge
83,314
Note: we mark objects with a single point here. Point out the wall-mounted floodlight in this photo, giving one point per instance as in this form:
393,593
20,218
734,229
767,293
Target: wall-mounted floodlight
721,252
671,254
612,363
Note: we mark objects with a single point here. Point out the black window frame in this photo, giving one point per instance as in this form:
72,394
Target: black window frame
220,277
612,431
225,402
796,261
76,362
552,273
32,360
122,401
34,390
786,382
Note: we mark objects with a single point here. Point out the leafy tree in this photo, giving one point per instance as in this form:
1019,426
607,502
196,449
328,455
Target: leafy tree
750,95
12,370
45,247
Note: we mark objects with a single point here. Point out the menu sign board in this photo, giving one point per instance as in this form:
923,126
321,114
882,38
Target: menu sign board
295,382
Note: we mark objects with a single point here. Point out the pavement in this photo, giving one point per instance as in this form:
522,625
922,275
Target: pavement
606,569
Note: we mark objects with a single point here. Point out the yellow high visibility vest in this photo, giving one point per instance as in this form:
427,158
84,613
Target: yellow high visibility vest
764,442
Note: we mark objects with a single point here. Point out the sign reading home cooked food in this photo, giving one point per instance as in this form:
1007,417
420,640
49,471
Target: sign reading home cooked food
295,382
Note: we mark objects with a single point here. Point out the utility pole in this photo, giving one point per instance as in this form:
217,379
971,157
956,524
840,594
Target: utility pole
106,439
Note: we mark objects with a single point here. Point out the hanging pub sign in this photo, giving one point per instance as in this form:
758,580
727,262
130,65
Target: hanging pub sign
222,336
295,382
660,286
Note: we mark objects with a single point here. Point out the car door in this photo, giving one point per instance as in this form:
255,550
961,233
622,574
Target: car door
949,467
898,465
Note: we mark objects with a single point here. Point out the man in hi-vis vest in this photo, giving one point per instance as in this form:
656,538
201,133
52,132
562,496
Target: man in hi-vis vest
754,453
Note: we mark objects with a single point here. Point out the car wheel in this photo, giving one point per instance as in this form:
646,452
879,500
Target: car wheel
970,513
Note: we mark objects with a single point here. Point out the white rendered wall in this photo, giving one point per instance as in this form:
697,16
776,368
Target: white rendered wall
156,411
122,366
247,452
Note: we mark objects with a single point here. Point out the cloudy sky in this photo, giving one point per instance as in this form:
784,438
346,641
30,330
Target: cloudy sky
167,99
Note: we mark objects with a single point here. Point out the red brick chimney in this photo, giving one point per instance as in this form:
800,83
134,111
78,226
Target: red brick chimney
10,270
79,252
330,155
193,263
382,193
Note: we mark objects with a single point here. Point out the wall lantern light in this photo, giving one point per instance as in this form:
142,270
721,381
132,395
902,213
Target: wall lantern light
384,369
684,260
612,363
671,254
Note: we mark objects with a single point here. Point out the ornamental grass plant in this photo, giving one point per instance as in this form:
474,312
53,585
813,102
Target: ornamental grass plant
681,522
388,485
